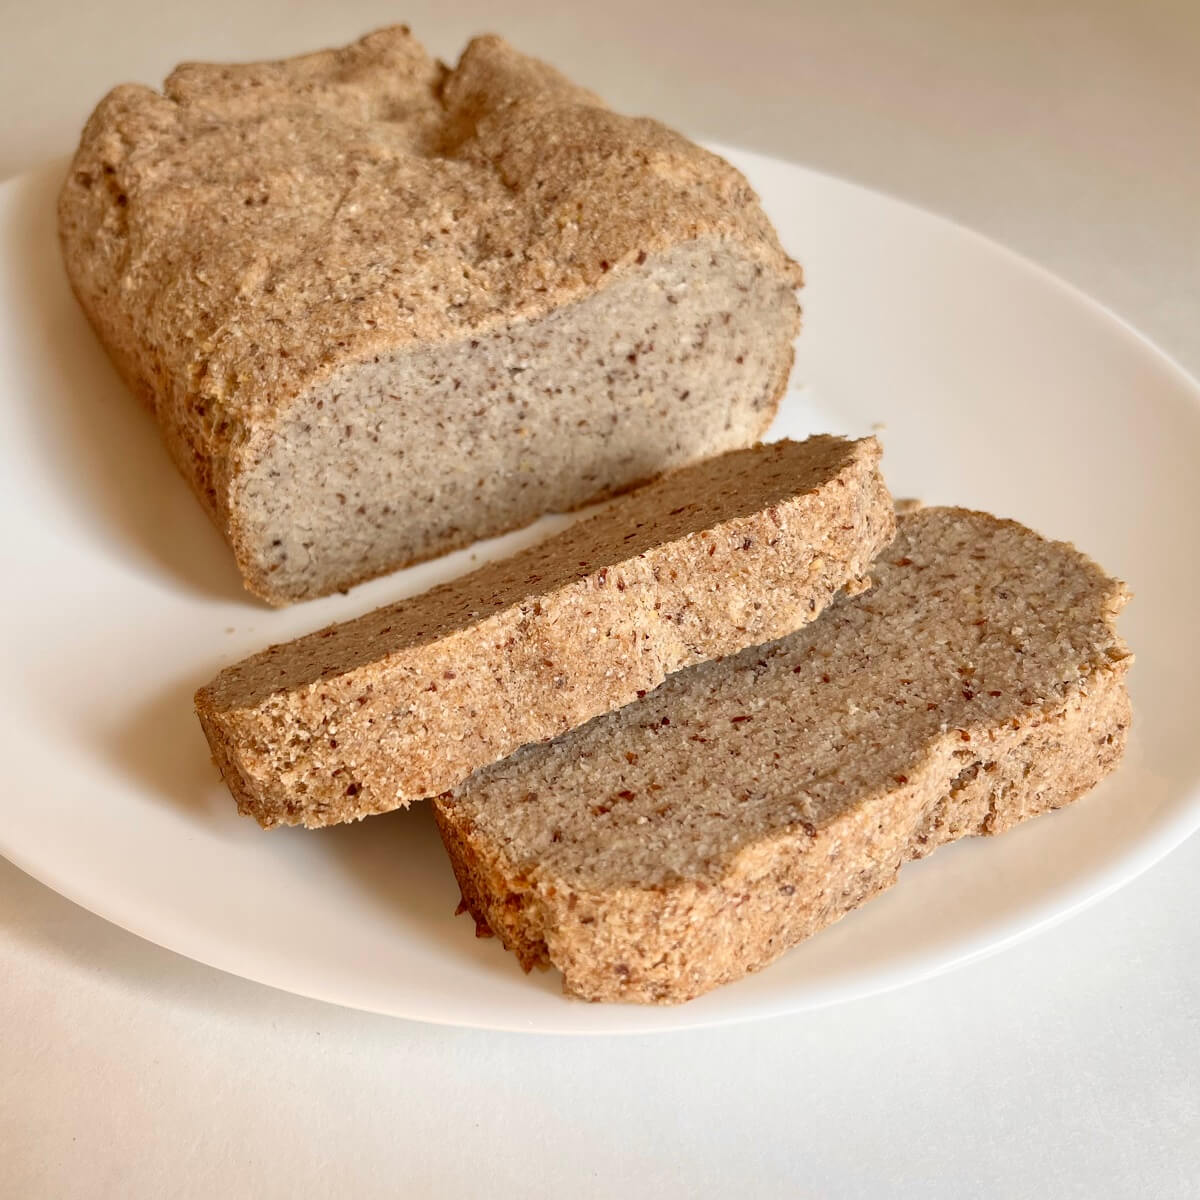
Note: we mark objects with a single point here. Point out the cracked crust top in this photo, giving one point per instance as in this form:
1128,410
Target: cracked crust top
253,227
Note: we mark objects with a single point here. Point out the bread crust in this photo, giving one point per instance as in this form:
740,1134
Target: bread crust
859,763
405,702
243,236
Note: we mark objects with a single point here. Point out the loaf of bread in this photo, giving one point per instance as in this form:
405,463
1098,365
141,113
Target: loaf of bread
694,836
405,702
382,308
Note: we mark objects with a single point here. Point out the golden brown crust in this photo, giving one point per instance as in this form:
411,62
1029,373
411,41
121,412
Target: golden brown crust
691,838
243,235
495,906
403,703
748,918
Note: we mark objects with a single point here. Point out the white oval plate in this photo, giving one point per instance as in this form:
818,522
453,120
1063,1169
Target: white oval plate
996,386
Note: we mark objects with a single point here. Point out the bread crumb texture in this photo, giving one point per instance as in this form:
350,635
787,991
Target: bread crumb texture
695,836
382,307
405,702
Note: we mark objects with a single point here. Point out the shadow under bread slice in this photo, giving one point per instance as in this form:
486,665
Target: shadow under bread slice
694,837
407,701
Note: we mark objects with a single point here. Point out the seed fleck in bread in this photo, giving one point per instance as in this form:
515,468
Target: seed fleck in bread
405,702
382,308
695,836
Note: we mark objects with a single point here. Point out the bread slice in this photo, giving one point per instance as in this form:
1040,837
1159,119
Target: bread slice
695,836
405,702
382,308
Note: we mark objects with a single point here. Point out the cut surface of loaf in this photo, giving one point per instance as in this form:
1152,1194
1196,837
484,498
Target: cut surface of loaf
382,308
698,834
406,701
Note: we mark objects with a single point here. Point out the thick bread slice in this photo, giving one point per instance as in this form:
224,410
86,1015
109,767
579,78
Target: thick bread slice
405,702
693,837
382,308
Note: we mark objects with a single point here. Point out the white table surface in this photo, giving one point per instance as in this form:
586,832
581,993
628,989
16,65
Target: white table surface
1068,1066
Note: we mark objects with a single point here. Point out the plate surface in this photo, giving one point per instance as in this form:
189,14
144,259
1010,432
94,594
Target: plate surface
993,384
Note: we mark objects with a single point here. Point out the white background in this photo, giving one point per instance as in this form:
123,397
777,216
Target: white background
1069,1066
